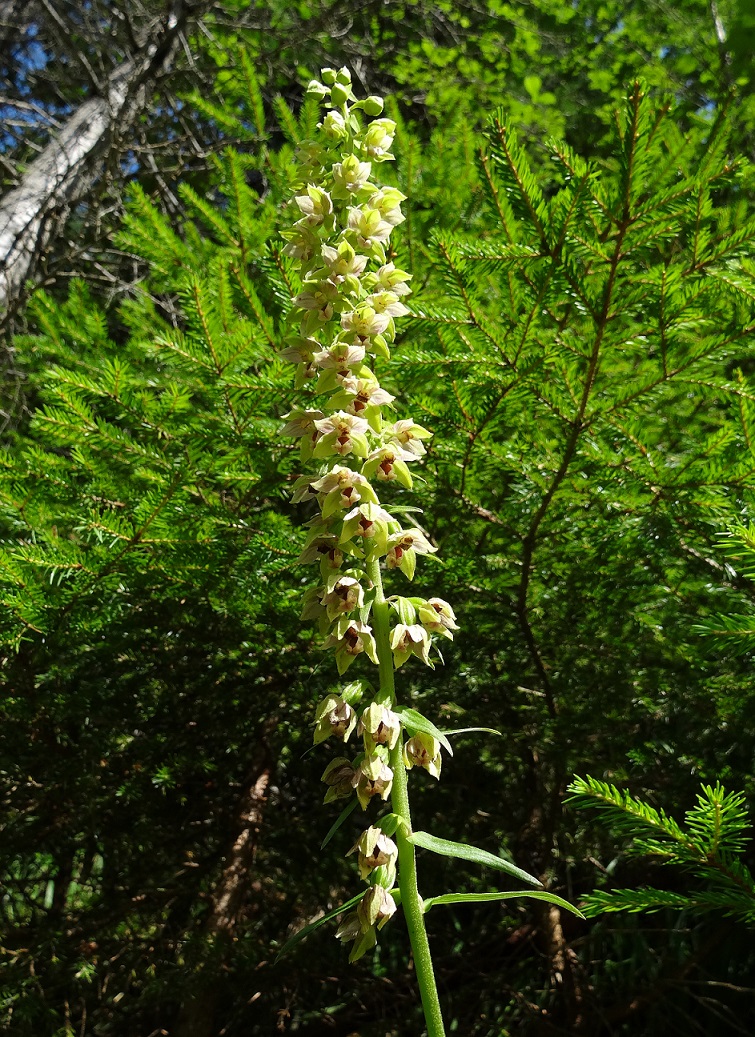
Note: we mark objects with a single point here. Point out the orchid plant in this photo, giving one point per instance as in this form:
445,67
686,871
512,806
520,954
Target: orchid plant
342,321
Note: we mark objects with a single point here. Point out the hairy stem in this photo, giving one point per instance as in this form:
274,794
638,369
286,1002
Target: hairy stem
411,901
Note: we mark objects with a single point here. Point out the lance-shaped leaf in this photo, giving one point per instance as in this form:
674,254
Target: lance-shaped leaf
477,898
470,730
470,853
304,933
416,724
338,822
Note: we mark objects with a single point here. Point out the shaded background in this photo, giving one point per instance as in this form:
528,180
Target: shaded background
161,811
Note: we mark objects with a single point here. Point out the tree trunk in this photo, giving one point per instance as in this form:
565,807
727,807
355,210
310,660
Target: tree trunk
62,175
197,1015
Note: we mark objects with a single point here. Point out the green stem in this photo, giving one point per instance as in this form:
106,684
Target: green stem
411,901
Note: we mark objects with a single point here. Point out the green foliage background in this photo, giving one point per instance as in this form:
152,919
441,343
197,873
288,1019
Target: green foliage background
581,346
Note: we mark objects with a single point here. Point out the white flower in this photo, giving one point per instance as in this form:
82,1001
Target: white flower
388,201
423,751
437,616
341,434
389,278
379,725
351,175
319,296
301,423
299,350
403,548
338,776
376,907
303,242
408,435
322,548
364,322
316,204
341,356
410,640
369,226
388,303
372,777
361,396
343,261
333,716
368,522
378,138
389,463
340,488
345,595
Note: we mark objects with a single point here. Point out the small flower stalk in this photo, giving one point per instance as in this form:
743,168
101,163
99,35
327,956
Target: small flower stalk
359,453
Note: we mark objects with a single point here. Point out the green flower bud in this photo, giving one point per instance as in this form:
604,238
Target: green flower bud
328,76
334,126
372,105
340,94
355,691
317,89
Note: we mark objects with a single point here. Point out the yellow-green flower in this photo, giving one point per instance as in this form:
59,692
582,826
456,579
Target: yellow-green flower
334,716
423,751
379,725
375,850
372,777
343,596
351,638
437,616
410,640
339,777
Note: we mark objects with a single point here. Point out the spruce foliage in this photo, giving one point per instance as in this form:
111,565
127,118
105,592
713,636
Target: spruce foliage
580,345
709,848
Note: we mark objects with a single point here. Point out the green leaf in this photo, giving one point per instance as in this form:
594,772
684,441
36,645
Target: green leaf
304,933
470,853
467,730
338,822
475,898
415,723
389,824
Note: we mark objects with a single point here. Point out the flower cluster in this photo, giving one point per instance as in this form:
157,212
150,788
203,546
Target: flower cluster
343,321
